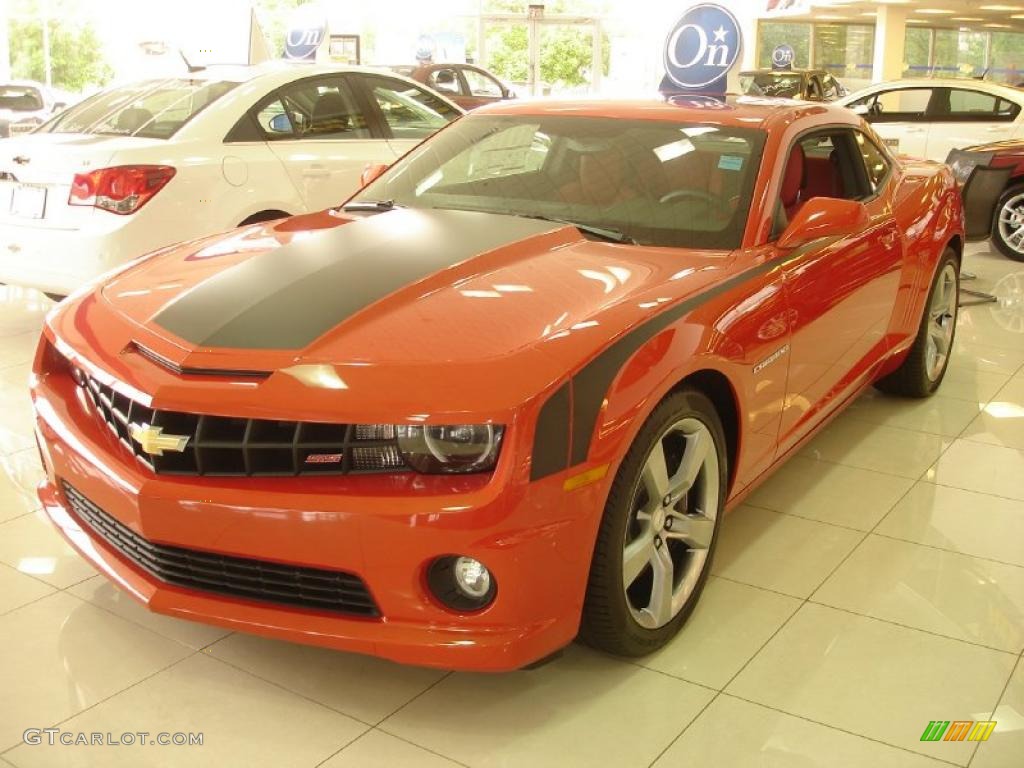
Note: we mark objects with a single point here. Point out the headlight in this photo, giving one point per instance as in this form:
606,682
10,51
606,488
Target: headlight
458,448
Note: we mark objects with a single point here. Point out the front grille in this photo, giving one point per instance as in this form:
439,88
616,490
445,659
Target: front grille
260,580
229,446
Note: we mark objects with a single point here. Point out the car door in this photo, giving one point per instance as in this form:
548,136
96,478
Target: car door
900,117
319,130
406,112
961,117
480,88
840,293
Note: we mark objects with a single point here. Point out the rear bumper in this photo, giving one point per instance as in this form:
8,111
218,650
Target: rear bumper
63,260
535,538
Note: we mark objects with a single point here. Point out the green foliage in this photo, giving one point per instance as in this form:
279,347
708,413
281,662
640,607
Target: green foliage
76,56
565,50
795,35
274,17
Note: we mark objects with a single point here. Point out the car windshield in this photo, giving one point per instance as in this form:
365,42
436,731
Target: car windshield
152,109
18,98
654,182
777,84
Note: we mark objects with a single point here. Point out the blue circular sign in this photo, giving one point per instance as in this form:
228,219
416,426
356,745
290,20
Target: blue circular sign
302,40
702,47
783,56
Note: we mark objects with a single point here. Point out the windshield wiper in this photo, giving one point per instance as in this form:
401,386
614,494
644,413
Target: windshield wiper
604,233
369,205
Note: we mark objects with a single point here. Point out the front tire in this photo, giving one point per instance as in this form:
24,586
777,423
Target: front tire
660,526
925,366
1008,223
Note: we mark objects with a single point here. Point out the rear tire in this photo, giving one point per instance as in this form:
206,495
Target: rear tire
657,538
925,365
1008,223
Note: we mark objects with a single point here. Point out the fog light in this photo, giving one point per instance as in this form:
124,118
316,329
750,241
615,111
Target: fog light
462,583
472,577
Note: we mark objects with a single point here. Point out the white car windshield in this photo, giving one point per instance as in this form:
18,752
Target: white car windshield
153,109
19,98
653,182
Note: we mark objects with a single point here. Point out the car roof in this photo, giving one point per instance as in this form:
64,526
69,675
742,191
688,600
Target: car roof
278,69
793,71
738,111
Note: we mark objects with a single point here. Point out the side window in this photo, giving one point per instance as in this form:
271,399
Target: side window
902,105
444,80
831,88
815,93
482,85
967,105
822,164
875,162
315,110
410,112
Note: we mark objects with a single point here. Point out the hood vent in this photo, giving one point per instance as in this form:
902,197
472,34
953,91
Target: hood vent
173,367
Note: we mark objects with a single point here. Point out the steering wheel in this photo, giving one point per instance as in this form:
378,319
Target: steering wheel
700,194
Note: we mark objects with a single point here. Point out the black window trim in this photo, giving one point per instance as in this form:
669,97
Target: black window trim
374,107
248,129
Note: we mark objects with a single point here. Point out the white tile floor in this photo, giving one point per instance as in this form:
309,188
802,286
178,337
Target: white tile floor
874,584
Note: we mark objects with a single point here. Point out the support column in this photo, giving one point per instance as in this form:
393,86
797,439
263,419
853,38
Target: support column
890,35
5,50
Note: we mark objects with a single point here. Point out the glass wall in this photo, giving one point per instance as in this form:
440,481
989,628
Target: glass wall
773,34
847,50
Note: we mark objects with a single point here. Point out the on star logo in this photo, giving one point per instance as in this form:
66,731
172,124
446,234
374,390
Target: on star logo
720,34
702,47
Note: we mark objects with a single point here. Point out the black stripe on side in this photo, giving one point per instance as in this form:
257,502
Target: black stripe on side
287,297
551,440
591,384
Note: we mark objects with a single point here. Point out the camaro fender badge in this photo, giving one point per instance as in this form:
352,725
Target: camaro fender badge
781,352
153,441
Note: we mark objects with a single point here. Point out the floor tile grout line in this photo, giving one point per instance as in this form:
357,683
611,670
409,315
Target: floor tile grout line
686,727
378,729
972,490
111,696
812,601
995,707
342,748
949,551
841,730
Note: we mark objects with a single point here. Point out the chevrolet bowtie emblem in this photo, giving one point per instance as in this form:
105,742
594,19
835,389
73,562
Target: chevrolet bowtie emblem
153,441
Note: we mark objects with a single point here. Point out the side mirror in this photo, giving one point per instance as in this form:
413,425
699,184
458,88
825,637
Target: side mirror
824,217
371,173
281,124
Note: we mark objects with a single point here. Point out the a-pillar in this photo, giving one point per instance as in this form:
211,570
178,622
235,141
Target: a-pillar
890,34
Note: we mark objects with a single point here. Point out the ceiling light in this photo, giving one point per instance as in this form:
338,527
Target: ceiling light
1000,8
934,11
998,26
967,18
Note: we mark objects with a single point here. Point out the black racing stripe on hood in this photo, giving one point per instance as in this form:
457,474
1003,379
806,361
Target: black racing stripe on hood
287,297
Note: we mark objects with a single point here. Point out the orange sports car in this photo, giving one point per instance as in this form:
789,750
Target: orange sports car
503,396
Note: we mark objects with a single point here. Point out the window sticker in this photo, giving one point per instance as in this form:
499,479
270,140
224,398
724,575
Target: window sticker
730,162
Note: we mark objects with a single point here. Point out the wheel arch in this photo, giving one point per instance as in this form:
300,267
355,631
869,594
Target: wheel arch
717,387
267,214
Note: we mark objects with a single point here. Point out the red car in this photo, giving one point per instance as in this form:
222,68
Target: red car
468,86
994,198
504,395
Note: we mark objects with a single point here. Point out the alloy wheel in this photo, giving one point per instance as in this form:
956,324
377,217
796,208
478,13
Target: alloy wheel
1011,223
941,322
672,523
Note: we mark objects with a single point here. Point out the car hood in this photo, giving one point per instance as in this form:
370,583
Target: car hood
496,306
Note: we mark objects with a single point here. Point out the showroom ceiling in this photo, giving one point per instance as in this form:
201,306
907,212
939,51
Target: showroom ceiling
943,13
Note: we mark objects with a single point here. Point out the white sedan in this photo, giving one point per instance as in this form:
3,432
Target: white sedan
928,118
138,167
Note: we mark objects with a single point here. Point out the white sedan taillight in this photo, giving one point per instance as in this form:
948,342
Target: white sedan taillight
122,189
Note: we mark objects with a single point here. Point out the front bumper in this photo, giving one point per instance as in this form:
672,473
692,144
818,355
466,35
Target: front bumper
535,538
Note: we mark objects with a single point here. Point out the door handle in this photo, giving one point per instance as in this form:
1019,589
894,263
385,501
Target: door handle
316,171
